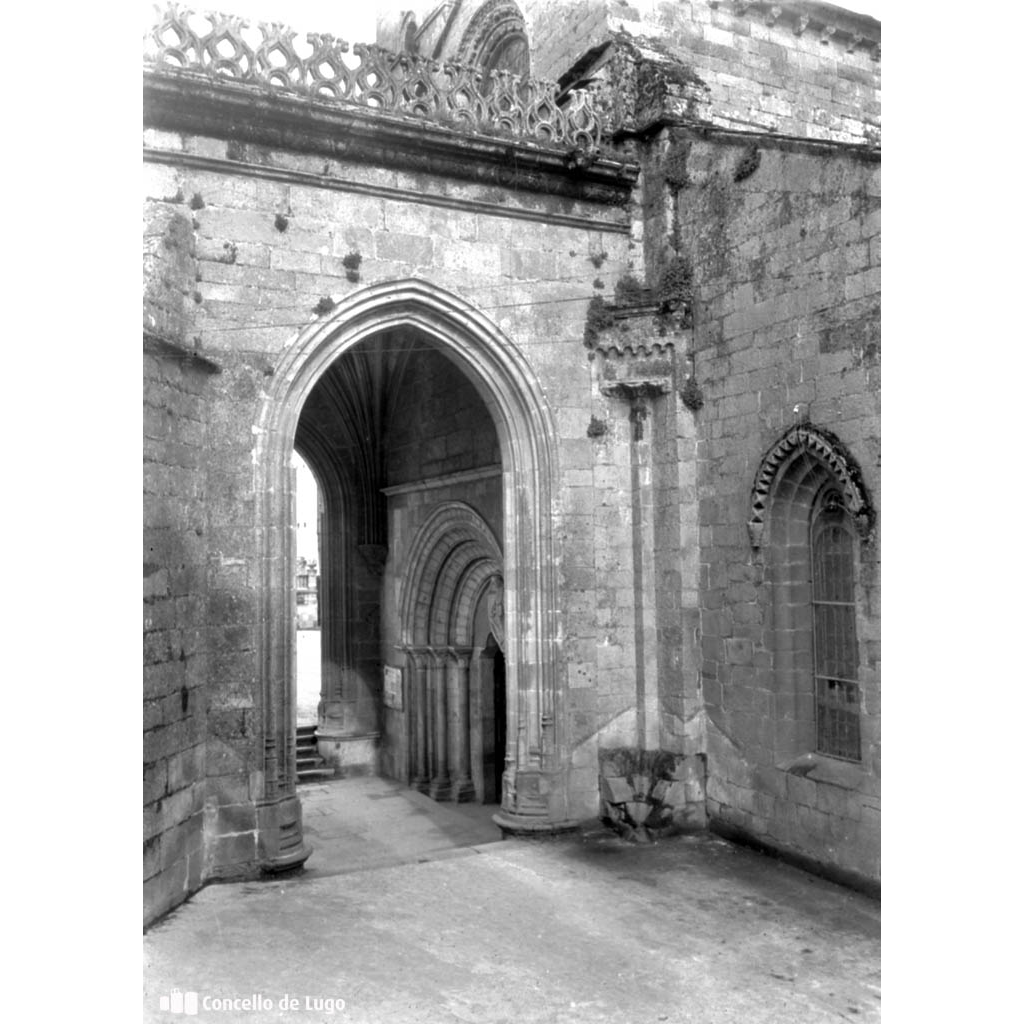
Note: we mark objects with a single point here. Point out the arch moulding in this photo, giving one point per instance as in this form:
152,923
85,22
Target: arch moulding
524,425
453,538
827,449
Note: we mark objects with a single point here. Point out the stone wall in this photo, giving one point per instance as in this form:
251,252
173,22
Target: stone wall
742,273
174,607
804,69
274,248
784,248
763,71
442,426
175,554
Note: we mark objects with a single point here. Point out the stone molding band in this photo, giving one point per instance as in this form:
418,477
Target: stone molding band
244,114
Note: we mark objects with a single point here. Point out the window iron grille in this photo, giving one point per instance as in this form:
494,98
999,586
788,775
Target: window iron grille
837,692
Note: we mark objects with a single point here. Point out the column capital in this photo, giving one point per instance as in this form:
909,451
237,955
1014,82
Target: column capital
462,655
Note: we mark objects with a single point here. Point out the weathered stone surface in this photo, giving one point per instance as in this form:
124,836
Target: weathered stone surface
638,811
616,790
666,682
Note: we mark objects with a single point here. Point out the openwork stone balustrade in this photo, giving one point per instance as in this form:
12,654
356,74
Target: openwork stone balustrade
226,47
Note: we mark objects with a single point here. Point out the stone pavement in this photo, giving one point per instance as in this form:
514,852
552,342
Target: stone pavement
411,912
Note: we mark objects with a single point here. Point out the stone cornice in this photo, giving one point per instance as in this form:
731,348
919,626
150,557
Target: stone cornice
243,112
831,25
769,139
291,175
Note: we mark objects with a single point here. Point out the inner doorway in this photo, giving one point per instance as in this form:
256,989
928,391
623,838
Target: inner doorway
492,720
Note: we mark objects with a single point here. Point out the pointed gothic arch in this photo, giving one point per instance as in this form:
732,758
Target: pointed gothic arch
825,448
524,426
806,480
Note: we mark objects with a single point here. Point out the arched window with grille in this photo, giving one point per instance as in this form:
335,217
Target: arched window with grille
810,516
833,600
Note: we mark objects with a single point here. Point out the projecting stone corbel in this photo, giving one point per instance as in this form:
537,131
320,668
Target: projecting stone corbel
637,393
634,345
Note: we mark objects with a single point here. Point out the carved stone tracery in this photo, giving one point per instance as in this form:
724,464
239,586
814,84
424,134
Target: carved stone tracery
489,100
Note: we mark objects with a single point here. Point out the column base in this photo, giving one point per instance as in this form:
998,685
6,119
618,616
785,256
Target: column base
349,754
440,790
287,862
528,825
463,791
280,844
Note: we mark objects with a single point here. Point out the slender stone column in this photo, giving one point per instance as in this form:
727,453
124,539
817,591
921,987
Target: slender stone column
428,714
458,723
641,396
441,783
421,721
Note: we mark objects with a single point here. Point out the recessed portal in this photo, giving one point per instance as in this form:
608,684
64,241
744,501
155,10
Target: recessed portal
402,442
491,691
407,360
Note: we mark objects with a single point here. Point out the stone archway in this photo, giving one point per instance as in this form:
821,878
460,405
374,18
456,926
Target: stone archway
533,796
455,574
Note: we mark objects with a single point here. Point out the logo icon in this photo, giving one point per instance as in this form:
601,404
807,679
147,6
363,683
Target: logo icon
178,1002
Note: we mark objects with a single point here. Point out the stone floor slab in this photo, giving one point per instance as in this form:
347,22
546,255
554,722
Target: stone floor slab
585,928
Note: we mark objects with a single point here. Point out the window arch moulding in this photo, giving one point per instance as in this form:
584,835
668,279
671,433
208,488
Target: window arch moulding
830,451
496,40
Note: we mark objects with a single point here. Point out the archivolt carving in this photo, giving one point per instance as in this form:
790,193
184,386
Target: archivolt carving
496,610
453,542
496,39
828,449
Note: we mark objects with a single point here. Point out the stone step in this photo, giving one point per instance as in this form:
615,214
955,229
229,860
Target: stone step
309,765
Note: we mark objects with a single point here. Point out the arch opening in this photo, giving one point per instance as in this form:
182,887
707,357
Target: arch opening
813,555
308,657
359,366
